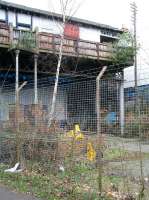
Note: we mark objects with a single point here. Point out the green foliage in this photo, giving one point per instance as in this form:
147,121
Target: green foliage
123,49
49,186
132,129
26,41
114,154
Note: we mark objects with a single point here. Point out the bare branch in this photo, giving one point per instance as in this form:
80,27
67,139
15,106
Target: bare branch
73,11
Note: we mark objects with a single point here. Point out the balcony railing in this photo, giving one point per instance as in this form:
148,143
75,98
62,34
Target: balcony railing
4,34
23,39
46,42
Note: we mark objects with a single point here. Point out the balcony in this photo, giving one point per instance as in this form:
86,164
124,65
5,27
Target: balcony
13,38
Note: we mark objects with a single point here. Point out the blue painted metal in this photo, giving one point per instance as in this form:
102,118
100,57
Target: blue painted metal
111,118
143,91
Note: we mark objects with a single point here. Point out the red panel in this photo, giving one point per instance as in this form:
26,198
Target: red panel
71,31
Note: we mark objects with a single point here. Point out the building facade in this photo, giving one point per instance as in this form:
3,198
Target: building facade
29,46
39,32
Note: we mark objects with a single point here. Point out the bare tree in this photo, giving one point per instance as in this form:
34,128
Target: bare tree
68,9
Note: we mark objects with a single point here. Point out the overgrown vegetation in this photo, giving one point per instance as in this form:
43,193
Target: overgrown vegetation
25,40
77,182
123,49
80,183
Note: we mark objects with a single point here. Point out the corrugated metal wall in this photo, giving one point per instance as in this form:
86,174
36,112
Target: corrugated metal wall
46,25
52,26
2,14
12,18
27,98
90,34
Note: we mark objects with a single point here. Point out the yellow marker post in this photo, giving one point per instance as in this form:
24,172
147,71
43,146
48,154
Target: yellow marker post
76,133
91,153
71,133
77,128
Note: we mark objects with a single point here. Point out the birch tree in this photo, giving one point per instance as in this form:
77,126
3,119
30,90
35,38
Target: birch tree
68,9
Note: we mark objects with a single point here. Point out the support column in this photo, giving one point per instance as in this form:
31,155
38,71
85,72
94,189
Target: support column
122,107
18,149
17,77
35,79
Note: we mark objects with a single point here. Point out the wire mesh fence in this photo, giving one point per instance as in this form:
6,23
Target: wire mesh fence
63,161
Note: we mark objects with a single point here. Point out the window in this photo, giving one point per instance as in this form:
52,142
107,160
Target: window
3,17
24,21
106,39
109,33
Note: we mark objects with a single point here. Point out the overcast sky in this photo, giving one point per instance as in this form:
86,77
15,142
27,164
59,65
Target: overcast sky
112,12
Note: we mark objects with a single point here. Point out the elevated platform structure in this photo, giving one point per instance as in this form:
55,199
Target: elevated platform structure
87,45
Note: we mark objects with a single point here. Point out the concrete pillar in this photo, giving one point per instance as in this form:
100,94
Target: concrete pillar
122,108
35,79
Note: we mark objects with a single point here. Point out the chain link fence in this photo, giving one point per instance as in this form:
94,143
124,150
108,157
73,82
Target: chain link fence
65,160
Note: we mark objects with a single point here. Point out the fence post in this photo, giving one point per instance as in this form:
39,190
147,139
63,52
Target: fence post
122,107
99,134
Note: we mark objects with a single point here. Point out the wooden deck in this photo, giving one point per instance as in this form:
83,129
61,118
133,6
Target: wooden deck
49,43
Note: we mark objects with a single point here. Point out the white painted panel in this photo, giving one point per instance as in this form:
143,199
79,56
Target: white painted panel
45,96
56,27
12,18
23,18
23,28
4,112
46,25
2,14
37,23
90,34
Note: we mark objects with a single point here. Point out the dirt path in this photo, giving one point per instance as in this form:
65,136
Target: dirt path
128,144
132,145
6,194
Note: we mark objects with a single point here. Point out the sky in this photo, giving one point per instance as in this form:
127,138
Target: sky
116,13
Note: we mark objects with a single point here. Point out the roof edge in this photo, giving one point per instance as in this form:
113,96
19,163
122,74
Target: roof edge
57,16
